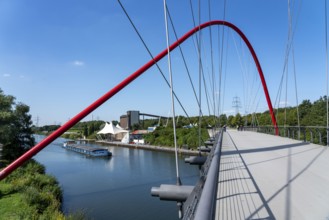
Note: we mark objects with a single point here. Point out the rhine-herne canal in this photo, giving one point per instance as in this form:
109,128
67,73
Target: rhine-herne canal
117,187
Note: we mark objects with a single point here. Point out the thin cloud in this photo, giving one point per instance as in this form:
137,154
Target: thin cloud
78,63
6,75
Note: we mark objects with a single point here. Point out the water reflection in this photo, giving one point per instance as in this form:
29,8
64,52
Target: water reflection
115,188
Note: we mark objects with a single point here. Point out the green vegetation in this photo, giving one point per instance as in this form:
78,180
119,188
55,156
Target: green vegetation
86,129
310,114
15,127
163,136
181,121
187,137
30,194
45,130
27,193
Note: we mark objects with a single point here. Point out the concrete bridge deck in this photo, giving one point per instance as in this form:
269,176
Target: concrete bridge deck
269,177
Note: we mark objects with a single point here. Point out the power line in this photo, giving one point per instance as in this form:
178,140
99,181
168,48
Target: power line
236,103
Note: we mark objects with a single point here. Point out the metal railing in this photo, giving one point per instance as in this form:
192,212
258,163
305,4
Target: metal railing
312,134
201,204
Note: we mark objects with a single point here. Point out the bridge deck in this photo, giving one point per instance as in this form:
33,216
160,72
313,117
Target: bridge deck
268,177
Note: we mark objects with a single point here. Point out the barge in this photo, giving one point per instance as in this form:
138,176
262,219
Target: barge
87,150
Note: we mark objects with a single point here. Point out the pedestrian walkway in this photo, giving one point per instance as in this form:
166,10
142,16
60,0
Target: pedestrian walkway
269,177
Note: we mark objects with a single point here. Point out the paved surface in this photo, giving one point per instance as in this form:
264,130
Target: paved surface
268,177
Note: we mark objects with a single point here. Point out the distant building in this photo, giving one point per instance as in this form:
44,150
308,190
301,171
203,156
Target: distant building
133,117
124,121
128,120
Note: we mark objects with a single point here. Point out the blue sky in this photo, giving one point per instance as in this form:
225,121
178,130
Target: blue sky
59,56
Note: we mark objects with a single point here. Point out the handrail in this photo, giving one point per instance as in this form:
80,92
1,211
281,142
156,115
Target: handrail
207,205
201,204
38,147
312,134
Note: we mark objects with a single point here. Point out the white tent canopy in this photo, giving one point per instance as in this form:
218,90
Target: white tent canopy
118,126
109,128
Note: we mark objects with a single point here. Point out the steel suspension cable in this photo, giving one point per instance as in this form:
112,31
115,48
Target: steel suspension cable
224,80
296,91
254,101
289,33
288,48
326,40
198,48
201,78
178,181
149,52
199,58
206,91
295,78
188,69
212,65
221,52
244,72
251,94
183,57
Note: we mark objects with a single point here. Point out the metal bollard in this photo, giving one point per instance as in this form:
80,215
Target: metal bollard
172,192
196,160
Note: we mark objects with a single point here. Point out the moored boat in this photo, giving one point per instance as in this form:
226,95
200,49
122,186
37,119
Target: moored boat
87,150
69,143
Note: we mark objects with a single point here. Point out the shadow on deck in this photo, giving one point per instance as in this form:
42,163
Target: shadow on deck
268,177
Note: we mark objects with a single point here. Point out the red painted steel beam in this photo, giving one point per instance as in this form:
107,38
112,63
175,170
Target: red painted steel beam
37,148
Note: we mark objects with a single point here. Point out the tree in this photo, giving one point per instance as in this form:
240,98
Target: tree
85,131
230,121
237,120
222,119
304,108
15,127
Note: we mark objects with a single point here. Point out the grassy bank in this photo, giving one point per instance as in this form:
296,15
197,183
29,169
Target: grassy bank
28,193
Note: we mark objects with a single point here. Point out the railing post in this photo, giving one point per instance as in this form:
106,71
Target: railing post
327,136
304,134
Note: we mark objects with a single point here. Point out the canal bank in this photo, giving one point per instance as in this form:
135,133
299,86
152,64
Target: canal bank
149,147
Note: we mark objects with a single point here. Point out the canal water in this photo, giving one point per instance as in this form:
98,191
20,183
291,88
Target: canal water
118,187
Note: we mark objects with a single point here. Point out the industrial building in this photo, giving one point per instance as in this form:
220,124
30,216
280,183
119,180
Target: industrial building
133,117
128,120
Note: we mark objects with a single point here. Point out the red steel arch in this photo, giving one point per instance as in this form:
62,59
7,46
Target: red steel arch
33,151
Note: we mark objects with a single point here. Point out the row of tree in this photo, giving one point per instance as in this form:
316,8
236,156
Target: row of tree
306,114
86,129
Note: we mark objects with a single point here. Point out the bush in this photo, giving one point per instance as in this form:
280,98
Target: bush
40,194
164,137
